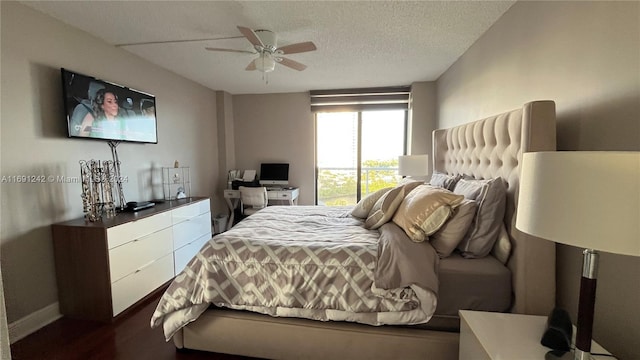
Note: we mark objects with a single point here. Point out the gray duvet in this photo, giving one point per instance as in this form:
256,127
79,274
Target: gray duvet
306,261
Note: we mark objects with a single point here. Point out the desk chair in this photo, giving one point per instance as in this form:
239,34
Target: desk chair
252,199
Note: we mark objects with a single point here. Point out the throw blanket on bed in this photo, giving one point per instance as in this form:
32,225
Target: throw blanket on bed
306,261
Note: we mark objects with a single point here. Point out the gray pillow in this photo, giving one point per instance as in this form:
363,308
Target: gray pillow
444,181
491,196
447,238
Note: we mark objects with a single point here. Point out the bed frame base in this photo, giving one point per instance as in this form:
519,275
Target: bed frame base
249,334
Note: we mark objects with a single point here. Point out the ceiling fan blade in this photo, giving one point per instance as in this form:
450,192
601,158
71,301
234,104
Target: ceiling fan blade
292,64
298,48
230,50
251,36
251,66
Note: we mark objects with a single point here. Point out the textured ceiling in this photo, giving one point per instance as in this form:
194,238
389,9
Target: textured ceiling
360,43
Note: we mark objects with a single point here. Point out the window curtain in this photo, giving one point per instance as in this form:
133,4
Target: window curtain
365,99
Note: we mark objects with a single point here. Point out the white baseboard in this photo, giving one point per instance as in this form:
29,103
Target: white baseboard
31,323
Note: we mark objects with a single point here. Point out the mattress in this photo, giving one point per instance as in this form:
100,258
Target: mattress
469,284
473,284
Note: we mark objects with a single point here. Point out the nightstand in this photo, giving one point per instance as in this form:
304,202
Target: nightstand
488,335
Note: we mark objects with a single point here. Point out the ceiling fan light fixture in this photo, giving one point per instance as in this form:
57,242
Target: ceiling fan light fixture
265,63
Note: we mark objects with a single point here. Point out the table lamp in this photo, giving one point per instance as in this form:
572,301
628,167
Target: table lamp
585,199
413,165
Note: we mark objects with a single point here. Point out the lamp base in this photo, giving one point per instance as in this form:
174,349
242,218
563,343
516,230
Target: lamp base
586,304
581,355
567,355
558,355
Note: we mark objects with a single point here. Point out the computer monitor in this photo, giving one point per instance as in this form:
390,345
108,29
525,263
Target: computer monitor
274,174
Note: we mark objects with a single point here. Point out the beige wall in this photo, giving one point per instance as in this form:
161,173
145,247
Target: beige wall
33,141
423,118
586,57
277,128
226,142
5,349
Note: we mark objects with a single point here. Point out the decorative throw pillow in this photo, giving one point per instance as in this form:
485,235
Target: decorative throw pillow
364,206
443,180
485,228
387,205
424,210
502,248
451,233
409,186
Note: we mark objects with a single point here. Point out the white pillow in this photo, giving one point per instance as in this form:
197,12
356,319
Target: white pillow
502,248
444,181
364,206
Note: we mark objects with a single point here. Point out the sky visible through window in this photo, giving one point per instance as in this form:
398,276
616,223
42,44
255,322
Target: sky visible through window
382,137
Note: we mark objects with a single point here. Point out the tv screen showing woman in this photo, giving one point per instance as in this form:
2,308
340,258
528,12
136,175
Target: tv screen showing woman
97,109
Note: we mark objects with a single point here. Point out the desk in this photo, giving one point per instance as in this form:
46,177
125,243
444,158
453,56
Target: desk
232,197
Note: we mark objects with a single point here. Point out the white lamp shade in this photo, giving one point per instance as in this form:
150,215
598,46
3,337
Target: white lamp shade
413,165
265,63
582,198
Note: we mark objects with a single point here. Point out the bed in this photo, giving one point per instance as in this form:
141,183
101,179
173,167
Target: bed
485,149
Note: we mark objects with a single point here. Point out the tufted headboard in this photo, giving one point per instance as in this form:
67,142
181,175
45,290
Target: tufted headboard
493,147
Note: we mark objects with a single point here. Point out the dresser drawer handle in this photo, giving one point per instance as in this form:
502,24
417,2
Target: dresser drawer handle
143,266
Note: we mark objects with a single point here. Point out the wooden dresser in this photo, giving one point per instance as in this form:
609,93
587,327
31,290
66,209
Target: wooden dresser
105,267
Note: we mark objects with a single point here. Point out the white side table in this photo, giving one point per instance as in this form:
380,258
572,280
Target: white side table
487,335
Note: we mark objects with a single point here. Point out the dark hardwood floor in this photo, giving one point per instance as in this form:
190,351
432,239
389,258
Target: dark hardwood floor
129,337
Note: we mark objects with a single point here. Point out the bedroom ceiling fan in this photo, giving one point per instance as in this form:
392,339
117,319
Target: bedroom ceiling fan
266,47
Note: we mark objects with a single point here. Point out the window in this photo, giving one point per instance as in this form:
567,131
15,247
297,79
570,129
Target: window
357,154
359,135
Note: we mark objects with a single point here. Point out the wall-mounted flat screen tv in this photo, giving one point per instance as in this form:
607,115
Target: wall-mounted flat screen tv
97,109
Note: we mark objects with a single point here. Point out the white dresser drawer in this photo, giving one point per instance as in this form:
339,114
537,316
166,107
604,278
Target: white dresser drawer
185,212
281,195
229,193
128,290
127,258
124,233
205,206
186,253
186,231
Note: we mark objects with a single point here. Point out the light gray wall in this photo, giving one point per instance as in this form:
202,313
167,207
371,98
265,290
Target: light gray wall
34,142
423,118
5,348
226,141
277,128
586,57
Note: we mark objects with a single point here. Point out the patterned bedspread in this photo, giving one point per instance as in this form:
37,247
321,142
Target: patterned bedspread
301,261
